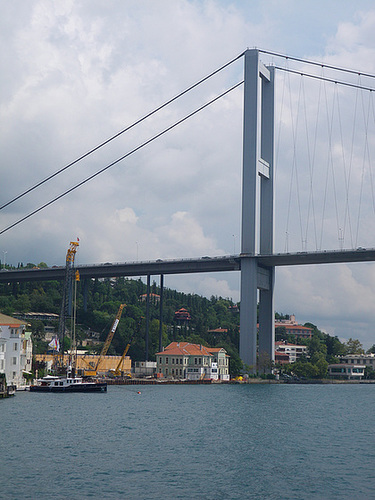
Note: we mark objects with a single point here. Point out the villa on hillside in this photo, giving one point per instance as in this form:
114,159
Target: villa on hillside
293,328
183,360
292,351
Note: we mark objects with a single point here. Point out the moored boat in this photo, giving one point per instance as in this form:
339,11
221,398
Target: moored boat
51,383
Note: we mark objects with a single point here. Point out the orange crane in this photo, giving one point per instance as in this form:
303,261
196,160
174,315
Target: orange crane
107,343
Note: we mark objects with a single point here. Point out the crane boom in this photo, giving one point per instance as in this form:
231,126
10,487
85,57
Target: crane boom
110,335
93,372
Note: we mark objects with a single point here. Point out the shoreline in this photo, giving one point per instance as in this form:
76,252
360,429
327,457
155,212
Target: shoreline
141,381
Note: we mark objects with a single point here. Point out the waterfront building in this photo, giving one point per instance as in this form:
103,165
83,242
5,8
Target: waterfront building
16,350
220,357
293,351
346,371
3,344
183,360
351,366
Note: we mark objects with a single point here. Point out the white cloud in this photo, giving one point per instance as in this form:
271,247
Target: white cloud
127,215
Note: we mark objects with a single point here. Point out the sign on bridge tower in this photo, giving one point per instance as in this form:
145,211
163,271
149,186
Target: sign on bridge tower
257,211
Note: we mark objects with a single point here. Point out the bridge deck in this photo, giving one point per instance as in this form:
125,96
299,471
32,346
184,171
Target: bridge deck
186,266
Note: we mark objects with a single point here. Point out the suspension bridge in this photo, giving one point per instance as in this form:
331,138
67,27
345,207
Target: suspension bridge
318,126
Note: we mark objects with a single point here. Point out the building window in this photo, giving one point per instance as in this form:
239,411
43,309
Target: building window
195,361
172,361
15,346
160,360
14,361
166,361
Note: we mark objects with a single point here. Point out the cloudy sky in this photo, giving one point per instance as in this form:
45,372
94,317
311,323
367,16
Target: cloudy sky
74,73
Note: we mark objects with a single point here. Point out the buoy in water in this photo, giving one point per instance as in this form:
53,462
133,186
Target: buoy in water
139,392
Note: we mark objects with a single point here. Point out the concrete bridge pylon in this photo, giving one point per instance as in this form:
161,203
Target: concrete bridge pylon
257,231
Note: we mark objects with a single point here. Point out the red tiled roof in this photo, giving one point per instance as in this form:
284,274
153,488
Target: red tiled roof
185,348
11,322
293,327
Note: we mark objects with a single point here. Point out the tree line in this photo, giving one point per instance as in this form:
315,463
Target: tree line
103,300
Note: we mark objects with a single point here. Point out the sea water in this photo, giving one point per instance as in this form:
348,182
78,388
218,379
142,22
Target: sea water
190,442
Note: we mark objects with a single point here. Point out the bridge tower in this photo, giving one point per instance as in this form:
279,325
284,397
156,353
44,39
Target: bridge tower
257,212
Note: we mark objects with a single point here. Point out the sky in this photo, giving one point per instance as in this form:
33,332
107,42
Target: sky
75,73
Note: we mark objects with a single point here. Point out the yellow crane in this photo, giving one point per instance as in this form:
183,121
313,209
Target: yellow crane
107,343
66,303
117,371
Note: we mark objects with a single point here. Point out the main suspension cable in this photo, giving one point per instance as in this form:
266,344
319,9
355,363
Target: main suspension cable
331,80
122,157
126,129
315,63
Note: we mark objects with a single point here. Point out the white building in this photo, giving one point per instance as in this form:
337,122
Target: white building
144,369
3,345
294,351
15,350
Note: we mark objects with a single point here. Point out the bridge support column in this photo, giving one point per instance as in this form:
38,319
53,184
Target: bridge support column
266,326
161,313
257,211
248,313
85,293
148,292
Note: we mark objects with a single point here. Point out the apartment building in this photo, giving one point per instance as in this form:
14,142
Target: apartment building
294,351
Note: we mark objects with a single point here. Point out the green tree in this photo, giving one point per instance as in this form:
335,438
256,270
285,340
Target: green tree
369,373
354,346
316,345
